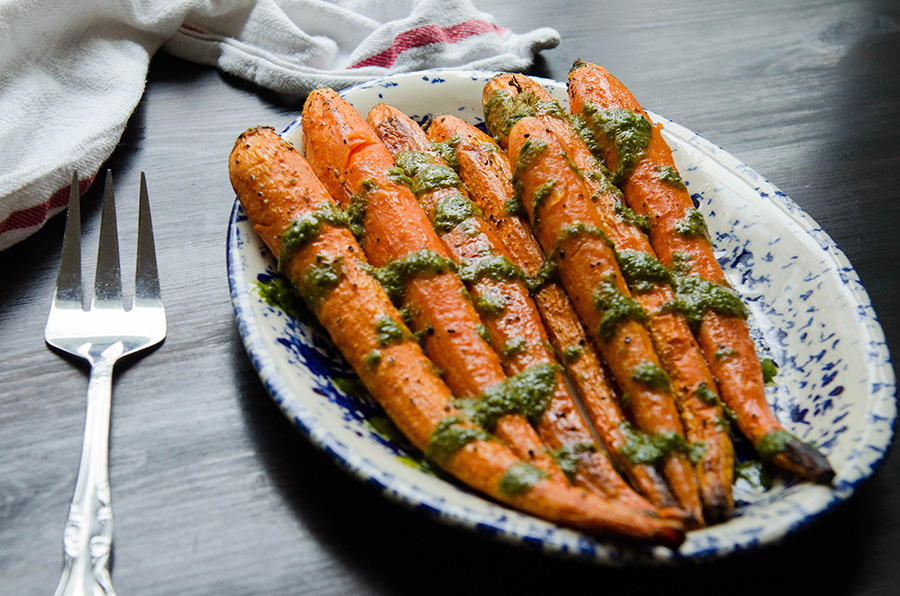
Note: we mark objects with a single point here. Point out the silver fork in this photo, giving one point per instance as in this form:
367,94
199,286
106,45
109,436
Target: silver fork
100,335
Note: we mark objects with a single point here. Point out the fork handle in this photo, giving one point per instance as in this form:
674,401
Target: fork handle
87,542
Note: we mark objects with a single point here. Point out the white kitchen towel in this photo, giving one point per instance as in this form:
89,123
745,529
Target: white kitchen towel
71,73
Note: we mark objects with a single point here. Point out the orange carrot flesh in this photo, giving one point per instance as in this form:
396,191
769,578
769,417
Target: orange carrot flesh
485,170
568,226
276,188
507,311
347,156
693,385
652,189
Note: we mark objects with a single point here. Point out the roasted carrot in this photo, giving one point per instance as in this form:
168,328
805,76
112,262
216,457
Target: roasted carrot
396,236
499,291
485,171
566,224
297,219
514,96
642,162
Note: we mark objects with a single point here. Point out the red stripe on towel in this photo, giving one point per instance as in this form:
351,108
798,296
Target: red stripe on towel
35,216
427,35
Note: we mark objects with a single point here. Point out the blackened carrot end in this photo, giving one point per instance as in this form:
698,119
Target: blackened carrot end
805,460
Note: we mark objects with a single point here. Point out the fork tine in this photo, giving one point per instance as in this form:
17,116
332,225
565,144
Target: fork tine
146,277
108,279
68,280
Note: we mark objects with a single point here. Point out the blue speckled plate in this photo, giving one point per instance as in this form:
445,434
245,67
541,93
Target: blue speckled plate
835,386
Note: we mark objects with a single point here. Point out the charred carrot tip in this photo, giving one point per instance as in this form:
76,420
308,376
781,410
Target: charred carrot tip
807,461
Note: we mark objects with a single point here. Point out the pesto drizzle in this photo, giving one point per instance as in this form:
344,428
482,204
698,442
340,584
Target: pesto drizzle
528,393
692,224
305,229
568,457
694,297
520,478
615,307
650,375
451,211
449,436
670,176
494,267
773,444
642,271
319,279
388,331
395,275
651,449
627,215
628,131
490,302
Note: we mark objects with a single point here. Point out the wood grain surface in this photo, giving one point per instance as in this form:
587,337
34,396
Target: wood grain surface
215,493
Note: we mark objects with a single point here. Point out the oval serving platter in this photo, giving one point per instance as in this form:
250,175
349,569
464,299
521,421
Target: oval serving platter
835,385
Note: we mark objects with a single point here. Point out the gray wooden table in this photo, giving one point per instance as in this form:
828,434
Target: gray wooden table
216,493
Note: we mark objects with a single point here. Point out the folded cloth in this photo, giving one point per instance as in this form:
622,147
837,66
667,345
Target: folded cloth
71,73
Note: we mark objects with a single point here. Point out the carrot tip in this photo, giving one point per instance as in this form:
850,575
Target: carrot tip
807,461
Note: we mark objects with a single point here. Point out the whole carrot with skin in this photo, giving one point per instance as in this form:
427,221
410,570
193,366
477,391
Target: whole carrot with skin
498,288
297,219
652,187
485,171
693,385
357,169
568,227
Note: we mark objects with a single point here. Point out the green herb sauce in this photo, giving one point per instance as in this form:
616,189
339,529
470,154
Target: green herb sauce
319,279
615,308
490,303
773,444
448,151
432,177
451,211
356,215
692,224
514,206
398,176
650,375
695,296
681,263
769,370
304,230
670,176
395,275
513,347
641,271
484,334
627,215
372,359
494,267
520,478
643,448
279,293
388,331
574,230
568,457
449,436
707,395
628,131
725,352
540,195
528,393
502,110
573,352
545,275
412,161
